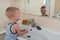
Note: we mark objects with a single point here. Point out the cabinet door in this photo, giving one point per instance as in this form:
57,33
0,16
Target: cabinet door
22,6
31,6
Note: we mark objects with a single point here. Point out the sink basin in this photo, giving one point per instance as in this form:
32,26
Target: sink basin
35,34
20,38
43,34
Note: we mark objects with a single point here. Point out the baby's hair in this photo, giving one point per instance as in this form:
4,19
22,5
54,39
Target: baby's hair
10,10
43,7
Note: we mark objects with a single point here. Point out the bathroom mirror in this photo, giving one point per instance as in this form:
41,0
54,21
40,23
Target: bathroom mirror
33,7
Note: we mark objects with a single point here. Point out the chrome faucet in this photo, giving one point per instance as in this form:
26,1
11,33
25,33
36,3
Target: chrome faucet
32,22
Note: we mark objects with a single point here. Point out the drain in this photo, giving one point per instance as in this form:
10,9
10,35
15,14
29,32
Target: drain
28,36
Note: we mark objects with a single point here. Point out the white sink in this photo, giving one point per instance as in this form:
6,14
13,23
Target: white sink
44,34
21,38
35,35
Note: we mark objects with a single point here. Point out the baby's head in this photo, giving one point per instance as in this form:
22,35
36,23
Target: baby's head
13,13
43,10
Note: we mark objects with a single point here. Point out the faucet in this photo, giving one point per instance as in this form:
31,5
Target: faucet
32,22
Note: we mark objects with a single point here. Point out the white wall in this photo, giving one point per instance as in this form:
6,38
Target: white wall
3,5
57,7
15,3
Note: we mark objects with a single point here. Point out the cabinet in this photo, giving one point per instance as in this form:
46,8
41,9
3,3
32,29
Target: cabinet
31,6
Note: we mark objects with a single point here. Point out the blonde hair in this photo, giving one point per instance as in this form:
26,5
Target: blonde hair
10,10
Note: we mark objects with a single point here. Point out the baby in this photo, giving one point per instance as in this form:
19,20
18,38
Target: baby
43,11
12,28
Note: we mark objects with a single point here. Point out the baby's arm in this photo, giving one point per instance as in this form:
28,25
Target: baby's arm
19,31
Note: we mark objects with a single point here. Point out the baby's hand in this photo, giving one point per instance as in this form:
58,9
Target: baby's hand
25,31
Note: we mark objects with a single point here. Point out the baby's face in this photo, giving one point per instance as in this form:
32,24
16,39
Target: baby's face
43,10
17,15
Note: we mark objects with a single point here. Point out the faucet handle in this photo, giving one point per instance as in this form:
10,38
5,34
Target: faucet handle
38,27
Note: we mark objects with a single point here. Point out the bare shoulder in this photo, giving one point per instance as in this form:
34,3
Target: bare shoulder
15,26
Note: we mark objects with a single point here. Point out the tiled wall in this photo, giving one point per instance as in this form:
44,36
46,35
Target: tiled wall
50,23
